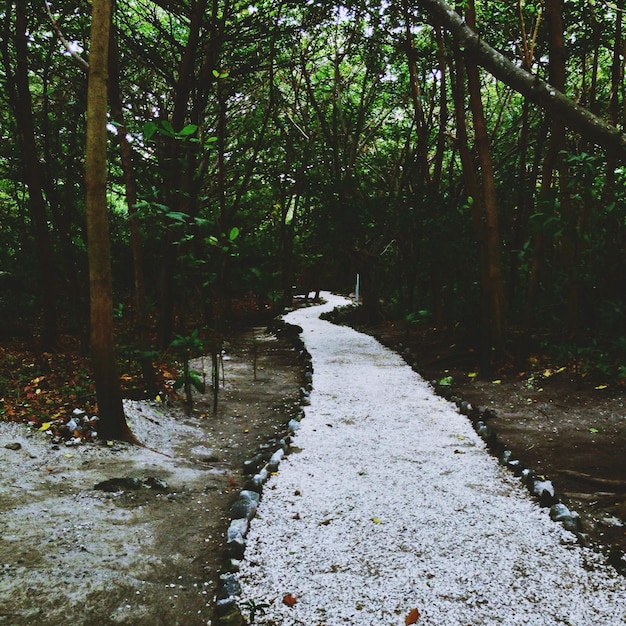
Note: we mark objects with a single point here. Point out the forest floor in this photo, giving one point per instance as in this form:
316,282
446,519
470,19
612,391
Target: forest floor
569,428
146,547
150,551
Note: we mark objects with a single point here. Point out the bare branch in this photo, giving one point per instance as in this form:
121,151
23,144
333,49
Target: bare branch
68,46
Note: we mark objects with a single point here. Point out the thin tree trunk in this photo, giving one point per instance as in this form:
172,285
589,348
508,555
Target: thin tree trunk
492,273
141,309
107,382
474,199
423,177
34,177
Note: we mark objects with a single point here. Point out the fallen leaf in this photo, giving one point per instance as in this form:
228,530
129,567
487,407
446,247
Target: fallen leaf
289,599
45,426
496,382
412,616
472,375
377,520
601,387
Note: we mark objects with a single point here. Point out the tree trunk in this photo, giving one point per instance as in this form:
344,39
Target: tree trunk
423,177
108,390
34,178
176,176
141,309
555,145
485,217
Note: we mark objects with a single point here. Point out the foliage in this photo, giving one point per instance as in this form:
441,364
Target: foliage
279,137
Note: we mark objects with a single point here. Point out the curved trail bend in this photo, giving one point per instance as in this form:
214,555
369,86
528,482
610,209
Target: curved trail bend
389,502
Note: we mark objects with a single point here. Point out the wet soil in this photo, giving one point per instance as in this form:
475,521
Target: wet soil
148,550
568,428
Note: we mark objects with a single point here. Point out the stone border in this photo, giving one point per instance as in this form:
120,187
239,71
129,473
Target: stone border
266,461
258,469
540,487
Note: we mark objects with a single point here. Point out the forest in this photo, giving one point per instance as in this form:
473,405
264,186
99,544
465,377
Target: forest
166,163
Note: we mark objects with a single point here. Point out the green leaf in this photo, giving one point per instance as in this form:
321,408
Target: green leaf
177,216
233,234
190,129
197,382
149,128
167,128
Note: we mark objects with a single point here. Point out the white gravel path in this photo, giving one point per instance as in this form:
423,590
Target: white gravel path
390,503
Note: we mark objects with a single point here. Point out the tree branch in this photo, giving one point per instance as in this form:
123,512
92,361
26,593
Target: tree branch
68,46
531,86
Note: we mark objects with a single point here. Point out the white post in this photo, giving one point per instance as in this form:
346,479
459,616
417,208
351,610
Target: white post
356,289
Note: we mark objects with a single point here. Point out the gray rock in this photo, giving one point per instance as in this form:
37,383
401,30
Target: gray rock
236,547
559,512
506,457
243,509
224,606
158,484
544,490
251,496
238,528
229,586
573,523
275,460
13,445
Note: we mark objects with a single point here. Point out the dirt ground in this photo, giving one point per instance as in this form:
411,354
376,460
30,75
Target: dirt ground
570,429
147,549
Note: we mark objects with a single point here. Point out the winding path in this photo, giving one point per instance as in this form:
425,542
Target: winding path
389,503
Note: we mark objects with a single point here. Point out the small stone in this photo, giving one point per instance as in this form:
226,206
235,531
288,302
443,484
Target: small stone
229,586
237,528
573,523
243,508
506,457
275,460
544,490
251,496
559,512
72,424
236,547
610,521
13,445
158,484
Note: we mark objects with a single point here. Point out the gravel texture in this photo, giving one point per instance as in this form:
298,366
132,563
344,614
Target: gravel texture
389,510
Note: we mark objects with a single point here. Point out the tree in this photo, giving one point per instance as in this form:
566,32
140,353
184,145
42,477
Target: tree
34,176
107,382
534,88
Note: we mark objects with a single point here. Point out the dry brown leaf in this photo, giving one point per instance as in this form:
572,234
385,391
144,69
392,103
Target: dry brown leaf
289,599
